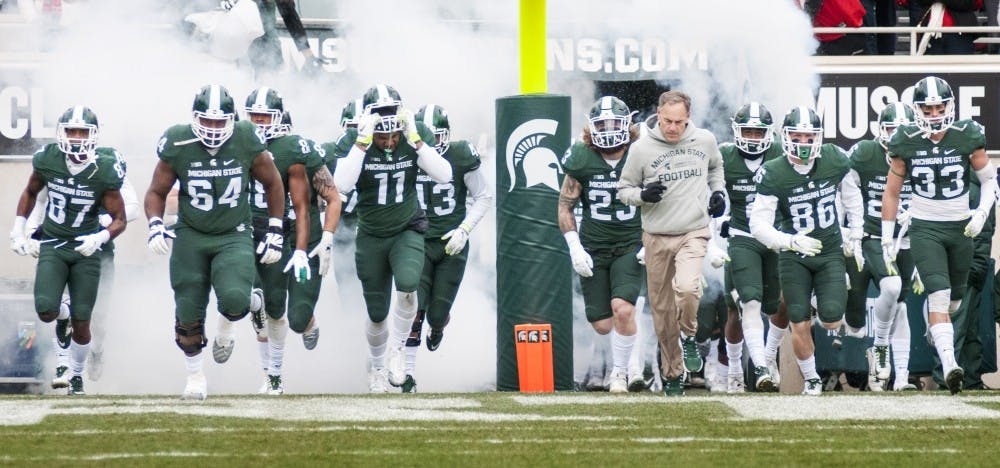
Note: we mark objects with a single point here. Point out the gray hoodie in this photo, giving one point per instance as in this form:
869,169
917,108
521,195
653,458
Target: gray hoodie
690,170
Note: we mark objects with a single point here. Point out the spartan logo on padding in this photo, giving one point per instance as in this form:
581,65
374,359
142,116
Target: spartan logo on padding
526,148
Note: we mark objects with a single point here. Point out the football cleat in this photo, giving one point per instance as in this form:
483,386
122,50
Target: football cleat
673,387
878,362
772,369
409,385
692,358
310,338
906,387
64,331
76,386
274,386
718,381
264,386
434,339
619,382
196,387
812,387
636,380
396,368
734,384
222,348
61,379
377,380
764,383
954,380
95,365
875,384
258,320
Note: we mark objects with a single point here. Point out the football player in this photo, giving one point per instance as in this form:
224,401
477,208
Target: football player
869,171
81,179
390,146
802,187
937,157
752,272
603,251
213,158
343,238
301,163
449,226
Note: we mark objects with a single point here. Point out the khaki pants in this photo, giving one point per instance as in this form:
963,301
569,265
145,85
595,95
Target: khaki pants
673,273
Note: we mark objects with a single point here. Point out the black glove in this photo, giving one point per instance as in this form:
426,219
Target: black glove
717,204
653,192
724,230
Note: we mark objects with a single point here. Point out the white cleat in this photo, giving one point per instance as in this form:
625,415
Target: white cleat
397,365
618,382
878,362
719,381
95,365
274,386
264,386
812,387
377,380
196,387
310,338
734,384
61,377
772,368
222,347
636,381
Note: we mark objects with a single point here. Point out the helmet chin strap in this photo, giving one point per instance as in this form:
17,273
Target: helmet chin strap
76,166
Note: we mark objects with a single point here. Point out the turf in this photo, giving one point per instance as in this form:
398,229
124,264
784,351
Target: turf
501,429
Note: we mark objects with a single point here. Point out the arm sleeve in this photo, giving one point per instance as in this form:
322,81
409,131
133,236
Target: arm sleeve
433,164
988,187
850,196
293,23
630,182
132,208
479,190
762,223
348,170
37,216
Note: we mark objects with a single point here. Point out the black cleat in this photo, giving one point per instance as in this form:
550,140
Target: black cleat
434,338
76,386
409,385
954,380
63,333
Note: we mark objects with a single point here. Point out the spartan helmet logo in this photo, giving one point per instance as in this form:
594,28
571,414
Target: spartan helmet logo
525,148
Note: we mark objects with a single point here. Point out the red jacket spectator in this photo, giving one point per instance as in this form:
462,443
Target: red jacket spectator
835,13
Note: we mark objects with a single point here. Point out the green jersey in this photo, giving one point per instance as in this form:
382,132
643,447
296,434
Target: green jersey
287,151
445,203
211,198
807,202
607,221
740,183
939,172
75,199
387,186
869,161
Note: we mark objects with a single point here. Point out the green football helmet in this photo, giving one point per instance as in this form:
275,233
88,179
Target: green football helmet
384,101
286,124
436,119
753,116
213,103
350,114
609,120
893,116
932,91
78,149
266,101
802,120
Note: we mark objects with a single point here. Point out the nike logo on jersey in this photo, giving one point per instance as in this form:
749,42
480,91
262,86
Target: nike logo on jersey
949,151
228,162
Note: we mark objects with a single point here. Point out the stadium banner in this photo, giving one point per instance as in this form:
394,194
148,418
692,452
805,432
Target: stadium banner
533,268
24,127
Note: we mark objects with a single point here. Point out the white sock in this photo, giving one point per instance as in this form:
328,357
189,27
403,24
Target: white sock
277,330
753,331
265,357
193,363
78,353
225,331
256,303
63,311
808,367
402,317
885,307
944,341
377,334
62,355
774,336
735,353
621,350
411,359
901,345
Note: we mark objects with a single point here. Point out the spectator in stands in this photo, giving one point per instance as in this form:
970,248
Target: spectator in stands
949,13
265,51
880,13
837,13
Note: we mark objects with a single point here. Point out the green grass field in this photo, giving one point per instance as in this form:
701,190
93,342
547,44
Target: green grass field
504,429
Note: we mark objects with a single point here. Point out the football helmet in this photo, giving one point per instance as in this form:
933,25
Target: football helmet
609,121
753,115
286,124
800,120
80,149
893,116
384,101
268,102
436,119
350,114
933,91
213,103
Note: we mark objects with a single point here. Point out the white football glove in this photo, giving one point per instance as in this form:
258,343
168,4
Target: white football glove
33,247
409,125
640,256
158,236
105,219
325,252
805,245
852,247
889,256
90,243
903,217
582,262
270,246
916,283
456,239
17,240
299,264
366,129
975,225
716,256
